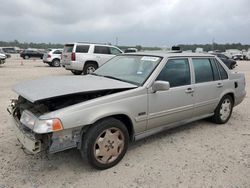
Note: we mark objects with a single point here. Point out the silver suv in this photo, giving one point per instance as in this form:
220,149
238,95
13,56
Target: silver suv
85,57
128,98
53,57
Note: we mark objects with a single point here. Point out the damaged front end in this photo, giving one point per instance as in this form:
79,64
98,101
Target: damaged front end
32,142
48,135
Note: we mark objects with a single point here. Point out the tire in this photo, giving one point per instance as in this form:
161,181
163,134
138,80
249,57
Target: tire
224,110
56,63
75,72
26,57
109,135
89,68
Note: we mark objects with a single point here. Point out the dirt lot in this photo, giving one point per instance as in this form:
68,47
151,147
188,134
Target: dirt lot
200,154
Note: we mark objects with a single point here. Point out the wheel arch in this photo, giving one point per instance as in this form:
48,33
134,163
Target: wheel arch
91,61
122,117
56,59
231,94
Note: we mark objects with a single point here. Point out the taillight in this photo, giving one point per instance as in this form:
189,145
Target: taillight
73,56
49,56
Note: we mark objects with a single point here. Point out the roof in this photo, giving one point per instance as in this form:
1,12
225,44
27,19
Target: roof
89,43
171,54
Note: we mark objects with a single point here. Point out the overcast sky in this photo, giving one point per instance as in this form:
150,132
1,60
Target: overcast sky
144,22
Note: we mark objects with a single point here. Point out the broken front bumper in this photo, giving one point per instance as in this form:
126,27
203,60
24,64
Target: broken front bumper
24,135
27,139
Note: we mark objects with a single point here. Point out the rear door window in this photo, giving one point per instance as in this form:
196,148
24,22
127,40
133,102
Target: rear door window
102,50
82,48
215,70
223,73
203,70
57,52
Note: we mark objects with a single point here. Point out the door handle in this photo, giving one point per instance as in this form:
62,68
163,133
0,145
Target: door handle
189,90
219,85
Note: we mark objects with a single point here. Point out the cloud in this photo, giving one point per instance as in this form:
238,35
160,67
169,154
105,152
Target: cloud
145,22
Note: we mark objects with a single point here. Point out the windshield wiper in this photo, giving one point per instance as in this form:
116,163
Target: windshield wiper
127,81
112,77
106,76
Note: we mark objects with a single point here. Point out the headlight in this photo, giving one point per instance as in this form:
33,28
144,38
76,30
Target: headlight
40,126
28,119
47,126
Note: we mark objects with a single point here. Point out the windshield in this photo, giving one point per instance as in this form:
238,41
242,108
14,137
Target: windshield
134,69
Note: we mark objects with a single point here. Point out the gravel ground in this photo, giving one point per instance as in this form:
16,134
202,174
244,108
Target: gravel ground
200,154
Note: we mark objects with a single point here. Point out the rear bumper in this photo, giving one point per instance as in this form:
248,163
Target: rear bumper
74,65
47,60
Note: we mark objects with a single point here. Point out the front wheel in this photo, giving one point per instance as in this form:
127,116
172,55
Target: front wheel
224,110
105,143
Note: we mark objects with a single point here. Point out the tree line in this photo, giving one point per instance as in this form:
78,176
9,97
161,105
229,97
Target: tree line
215,46
206,47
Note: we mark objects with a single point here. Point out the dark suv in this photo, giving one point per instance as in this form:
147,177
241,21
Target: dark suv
230,63
26,54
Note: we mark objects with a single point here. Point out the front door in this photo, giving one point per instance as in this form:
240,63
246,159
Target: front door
175,104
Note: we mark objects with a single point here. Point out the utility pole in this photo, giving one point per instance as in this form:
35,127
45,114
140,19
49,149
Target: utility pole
116,41
213,44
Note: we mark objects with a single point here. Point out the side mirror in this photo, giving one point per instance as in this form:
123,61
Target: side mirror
160,86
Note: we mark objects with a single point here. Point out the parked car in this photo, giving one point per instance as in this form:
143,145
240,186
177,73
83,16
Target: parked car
2,58
9,50
31,53
128,98
86,57
234,54
238,57
247,55
130,50
53,57
3,52
230,63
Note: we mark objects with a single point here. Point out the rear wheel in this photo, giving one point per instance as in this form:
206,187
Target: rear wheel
56,63
105,143
75,72
89,68
224,110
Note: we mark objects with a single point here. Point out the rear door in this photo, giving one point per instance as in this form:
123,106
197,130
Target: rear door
66,55
103,54
208,85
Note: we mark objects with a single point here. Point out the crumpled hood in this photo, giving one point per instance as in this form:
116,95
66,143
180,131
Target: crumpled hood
55,86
